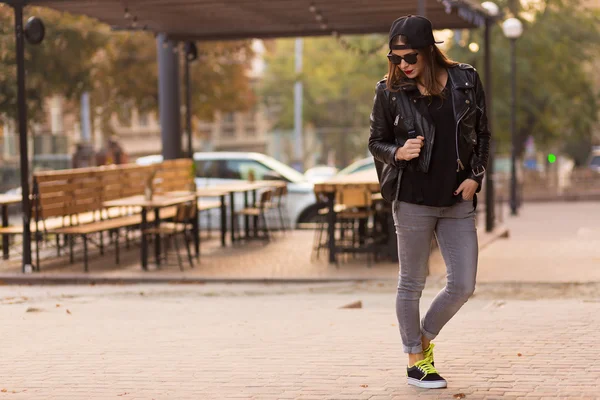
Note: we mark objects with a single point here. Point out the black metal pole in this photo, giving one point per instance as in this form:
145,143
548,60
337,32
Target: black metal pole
421,8
513,128
490,217
188,107
22,111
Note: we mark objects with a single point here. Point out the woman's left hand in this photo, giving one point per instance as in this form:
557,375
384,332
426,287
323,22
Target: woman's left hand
467,188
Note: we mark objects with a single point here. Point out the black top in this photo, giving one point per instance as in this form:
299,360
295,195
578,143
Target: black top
436,187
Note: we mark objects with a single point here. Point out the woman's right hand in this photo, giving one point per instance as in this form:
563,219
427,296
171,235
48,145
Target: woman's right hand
411,149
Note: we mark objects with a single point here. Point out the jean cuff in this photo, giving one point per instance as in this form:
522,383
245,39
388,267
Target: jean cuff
413,349
430,336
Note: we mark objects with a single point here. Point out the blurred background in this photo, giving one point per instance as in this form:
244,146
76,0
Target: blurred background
89,84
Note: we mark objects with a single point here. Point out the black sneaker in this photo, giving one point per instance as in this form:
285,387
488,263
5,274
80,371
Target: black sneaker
424,375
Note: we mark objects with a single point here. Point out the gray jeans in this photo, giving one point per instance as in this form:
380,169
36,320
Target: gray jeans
456,234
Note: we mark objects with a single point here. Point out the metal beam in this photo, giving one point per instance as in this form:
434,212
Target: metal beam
168,97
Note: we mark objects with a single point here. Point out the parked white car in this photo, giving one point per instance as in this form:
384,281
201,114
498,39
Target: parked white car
219,168
320,173
358,166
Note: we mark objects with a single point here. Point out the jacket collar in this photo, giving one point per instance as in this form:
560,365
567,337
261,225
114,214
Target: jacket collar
457,75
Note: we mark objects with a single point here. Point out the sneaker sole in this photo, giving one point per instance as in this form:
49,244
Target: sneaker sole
427,384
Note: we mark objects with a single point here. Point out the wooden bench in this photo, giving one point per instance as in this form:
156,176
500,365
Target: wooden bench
76,196
69,203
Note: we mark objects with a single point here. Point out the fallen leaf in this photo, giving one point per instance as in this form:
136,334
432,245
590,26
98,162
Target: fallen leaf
33,309
3,390
123,394
58,305
393,324
519,354
460,396
68,312
364,386
356,304
142,293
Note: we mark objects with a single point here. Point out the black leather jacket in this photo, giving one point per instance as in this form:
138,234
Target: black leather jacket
472,133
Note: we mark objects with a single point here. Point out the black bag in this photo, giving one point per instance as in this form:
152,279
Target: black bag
390,175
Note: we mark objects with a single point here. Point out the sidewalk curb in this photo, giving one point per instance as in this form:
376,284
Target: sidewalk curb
91,279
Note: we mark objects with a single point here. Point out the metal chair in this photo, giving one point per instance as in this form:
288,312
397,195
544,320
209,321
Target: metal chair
182,224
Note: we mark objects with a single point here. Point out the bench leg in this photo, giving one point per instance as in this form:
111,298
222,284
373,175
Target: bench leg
5,238
58,245
127,231
71,256
116,240
101,243
85,253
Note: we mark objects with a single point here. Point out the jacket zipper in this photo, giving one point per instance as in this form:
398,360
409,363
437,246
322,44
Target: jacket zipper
460,166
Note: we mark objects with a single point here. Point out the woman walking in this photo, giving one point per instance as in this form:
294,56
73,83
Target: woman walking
430,140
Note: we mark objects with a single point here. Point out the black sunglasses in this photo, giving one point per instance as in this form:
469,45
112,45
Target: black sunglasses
410,58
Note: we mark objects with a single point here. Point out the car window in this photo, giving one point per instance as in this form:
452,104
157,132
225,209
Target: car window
240,169
364,167
595,161
207,169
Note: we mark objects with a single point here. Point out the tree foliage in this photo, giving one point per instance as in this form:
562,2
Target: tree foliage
557,100
62,63
119,69
338,87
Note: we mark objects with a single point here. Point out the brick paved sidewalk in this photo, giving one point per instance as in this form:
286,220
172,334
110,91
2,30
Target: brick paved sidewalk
282,342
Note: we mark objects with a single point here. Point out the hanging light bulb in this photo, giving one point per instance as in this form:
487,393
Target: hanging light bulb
127,14
312,8
134,22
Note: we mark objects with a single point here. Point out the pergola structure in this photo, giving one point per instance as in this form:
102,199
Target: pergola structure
205,20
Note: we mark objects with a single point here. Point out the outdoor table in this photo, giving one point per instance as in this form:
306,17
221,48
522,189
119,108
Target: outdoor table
368,179
156,203
211,192
5,201
231,189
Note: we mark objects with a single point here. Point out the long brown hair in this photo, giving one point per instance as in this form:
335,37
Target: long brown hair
434,60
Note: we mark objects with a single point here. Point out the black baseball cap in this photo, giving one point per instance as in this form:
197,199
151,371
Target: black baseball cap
417,30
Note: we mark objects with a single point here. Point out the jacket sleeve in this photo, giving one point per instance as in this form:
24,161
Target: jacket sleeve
482,148
382,144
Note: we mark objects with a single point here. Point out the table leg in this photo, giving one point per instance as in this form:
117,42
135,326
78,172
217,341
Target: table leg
5,238
232,216
157,237
196,231
255,219
331,227
246,217
144,241
223,221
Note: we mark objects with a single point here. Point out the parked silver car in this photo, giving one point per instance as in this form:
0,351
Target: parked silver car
219,168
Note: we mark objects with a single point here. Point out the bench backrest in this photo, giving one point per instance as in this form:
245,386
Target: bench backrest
70,192
174,175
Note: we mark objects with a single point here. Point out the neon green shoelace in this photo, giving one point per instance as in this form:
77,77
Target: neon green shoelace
426,367
428,353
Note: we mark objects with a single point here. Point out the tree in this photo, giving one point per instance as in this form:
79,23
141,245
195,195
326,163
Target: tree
557,102
62,63
128,76
339,86
120,69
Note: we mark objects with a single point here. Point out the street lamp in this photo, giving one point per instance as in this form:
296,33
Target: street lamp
493,13
513,28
